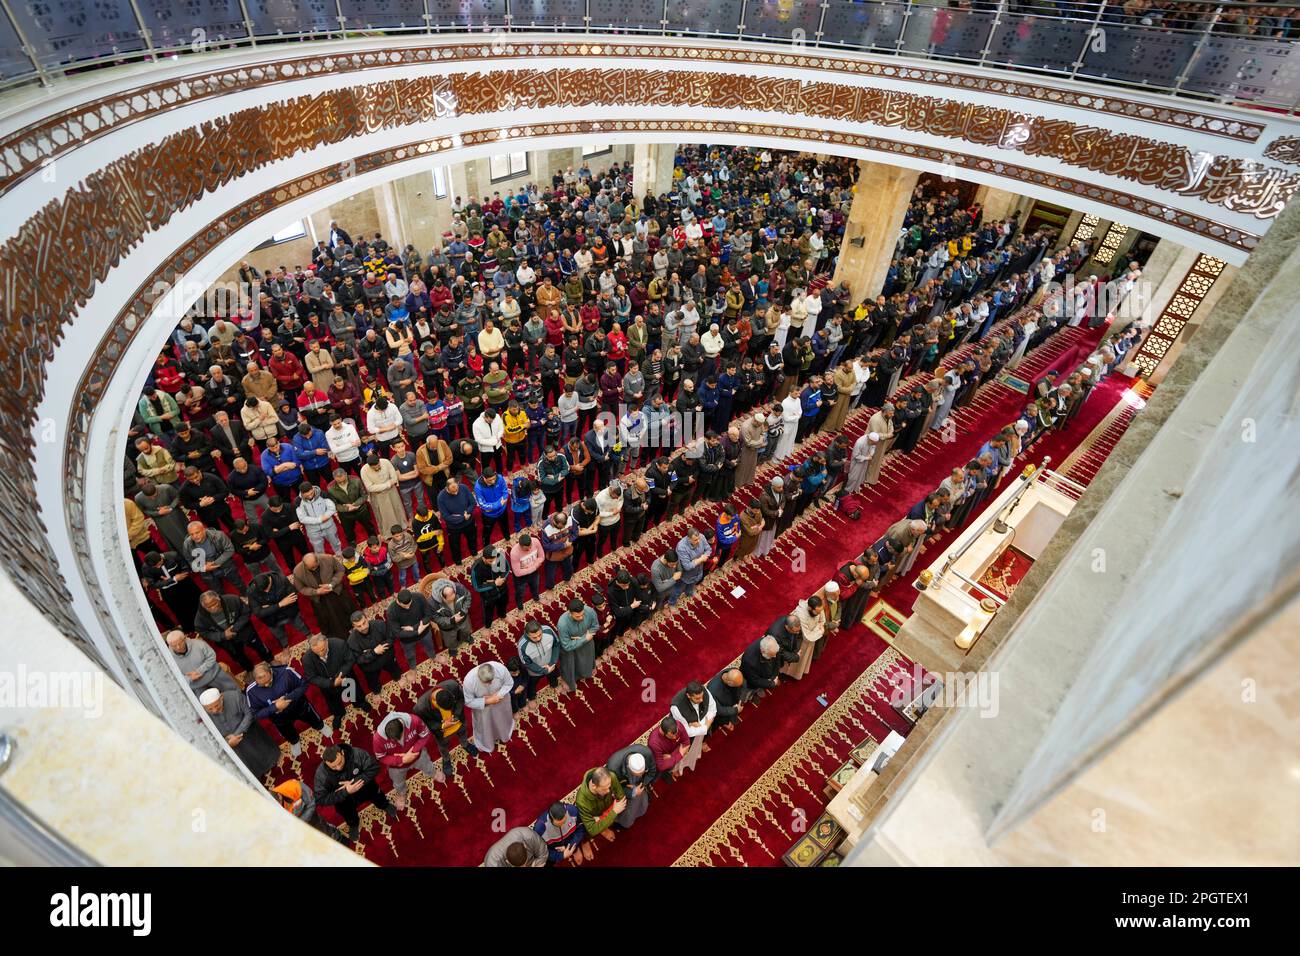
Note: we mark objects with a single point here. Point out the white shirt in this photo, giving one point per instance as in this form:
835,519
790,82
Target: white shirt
861,373
698,730
712,343
488,437
344,442
610,507
791,410
384,425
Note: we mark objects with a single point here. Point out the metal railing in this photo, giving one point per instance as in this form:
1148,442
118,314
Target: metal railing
1230,52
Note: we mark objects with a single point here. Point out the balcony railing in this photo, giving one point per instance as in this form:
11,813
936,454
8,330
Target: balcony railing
1244,53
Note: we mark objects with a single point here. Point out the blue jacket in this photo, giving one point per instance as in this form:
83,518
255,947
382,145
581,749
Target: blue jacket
728,530
452,508
519,503
492,500
810,398
285,682
284,479
305,449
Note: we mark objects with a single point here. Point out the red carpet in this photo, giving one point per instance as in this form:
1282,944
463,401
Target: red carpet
686,808
547,758
1004,574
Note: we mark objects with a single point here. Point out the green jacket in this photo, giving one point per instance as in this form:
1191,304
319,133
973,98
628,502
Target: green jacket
597,813
152,419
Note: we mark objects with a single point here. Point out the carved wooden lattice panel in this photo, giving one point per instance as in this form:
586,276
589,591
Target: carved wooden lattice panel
1169,325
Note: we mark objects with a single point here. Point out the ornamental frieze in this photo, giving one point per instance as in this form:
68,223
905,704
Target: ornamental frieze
28,149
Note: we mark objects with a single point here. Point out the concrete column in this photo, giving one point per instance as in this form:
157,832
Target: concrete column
998,203
1070,228
423,215
879,204
652,168
390,212
459,182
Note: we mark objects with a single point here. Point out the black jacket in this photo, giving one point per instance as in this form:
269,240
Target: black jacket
425,710
758,670
620,601
405,621
726,697
338,660
789,642
363,646
265,599
233,613
357,764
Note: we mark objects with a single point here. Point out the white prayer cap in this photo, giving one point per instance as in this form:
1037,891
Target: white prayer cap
636,763
874,436
778,482
887,407
918,525
209,696
1022,426
761,419
832,587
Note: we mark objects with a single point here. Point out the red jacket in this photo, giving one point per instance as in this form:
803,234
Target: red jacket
664,749
416,737
288,371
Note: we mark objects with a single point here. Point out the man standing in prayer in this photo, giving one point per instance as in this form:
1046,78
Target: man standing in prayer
442,708
772,504
401,743
635,768
812,628
695,709
565,838
381,481
234,721
754,435
669,743
728,692
198,662
321,579
487,694
882,424
345,780
577,630
791,412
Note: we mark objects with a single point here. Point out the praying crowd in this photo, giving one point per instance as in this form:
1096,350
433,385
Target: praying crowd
569,366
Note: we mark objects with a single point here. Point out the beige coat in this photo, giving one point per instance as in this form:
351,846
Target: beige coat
381,486
885,429
261,422
814,629
320,366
